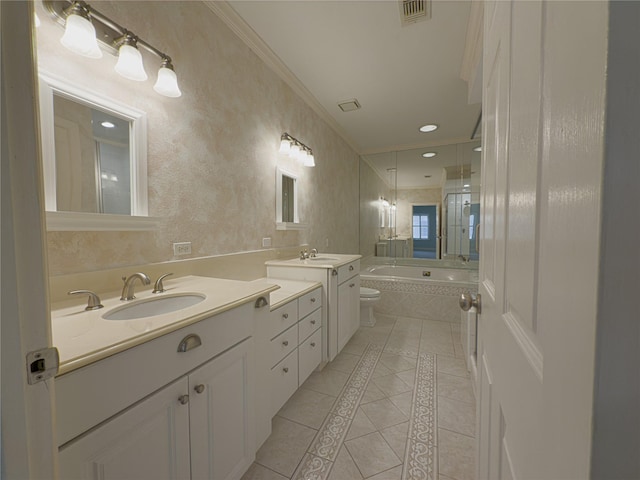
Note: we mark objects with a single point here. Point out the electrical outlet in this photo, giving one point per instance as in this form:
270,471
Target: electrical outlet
266,242
182,248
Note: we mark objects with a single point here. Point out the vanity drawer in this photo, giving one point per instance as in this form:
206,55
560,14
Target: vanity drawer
309,324
309,302
282,318
347,271
309,355
284,381
283,345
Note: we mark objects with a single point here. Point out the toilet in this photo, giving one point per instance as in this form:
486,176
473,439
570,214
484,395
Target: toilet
368,297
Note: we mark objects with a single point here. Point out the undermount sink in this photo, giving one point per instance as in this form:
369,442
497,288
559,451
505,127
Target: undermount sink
154,306
323,259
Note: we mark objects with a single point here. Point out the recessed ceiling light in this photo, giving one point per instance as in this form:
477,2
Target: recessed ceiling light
478,149
429,154
466,185
428,128
107,124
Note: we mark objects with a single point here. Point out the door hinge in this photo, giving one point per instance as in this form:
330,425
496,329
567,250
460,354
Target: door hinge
42,364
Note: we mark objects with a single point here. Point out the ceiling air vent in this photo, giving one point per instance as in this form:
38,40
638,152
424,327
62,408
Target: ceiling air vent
412,11
349,105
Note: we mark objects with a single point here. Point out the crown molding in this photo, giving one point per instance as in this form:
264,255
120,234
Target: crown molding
241,28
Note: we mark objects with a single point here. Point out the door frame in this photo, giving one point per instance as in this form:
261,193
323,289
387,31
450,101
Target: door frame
28,438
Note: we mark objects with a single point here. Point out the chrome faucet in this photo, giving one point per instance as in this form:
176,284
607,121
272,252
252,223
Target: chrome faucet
314,253
304,254
127,289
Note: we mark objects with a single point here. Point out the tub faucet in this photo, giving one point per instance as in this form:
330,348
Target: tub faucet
127,289
463,258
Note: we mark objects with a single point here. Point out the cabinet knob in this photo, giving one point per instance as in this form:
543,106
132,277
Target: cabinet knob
183,399
351,268
313,300
285,343
352,285
313,344
313,322
285,369
199,388
285,315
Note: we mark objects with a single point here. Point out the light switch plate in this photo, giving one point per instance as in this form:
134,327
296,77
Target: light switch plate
266,242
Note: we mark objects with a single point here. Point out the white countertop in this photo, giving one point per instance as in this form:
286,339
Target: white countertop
289,290
323,260
83,337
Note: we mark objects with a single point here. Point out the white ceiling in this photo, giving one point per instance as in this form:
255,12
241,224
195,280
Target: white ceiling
403,77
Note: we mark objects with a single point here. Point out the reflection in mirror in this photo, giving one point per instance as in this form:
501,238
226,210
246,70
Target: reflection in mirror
94,160
433,203
287,201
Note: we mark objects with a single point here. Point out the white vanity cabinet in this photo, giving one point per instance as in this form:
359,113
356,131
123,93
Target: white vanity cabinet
199,424
289,350
341,286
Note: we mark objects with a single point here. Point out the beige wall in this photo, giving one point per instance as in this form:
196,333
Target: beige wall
212,153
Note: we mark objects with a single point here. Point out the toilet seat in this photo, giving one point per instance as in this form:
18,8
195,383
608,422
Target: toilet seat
366,292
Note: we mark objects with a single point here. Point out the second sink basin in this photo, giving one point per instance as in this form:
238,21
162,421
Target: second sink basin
323,259
154,306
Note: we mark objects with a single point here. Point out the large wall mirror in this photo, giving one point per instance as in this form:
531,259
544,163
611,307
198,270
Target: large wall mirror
94,160
422,204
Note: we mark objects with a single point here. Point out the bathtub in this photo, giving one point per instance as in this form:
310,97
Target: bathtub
420,291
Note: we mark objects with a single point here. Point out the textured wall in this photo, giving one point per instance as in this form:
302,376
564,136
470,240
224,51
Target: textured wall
212,153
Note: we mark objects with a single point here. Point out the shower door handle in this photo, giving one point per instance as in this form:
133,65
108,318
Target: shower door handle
469,300
478,238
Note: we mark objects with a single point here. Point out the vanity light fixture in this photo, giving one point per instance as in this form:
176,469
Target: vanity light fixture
429,154
36,20
84,24
428,128
297,150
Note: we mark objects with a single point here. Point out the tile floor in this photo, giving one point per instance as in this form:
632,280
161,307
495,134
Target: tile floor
369,415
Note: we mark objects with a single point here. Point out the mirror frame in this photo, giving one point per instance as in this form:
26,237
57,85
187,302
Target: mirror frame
82,221
280,225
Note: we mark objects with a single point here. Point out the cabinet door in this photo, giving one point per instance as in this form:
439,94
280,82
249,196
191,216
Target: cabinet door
348,310
148,441
221,419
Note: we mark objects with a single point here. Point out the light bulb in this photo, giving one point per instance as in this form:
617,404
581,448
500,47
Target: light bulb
167,83
285,144
80,34
130,62
294,151
310,160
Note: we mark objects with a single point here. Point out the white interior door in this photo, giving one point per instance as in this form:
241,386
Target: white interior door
542,161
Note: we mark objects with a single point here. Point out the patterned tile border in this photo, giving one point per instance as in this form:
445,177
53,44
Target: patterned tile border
317,463
420,462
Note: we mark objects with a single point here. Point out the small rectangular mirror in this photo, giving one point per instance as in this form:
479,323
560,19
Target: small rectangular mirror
94,160
287,201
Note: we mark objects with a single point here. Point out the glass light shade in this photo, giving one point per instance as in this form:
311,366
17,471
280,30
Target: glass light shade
310,160
130,64
294,151
167,83
80,37
36,20
285,146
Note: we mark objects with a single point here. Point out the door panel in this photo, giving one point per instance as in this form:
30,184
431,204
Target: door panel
536,329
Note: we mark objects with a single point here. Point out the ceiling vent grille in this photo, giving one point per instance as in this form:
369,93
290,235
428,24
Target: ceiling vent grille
412,11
